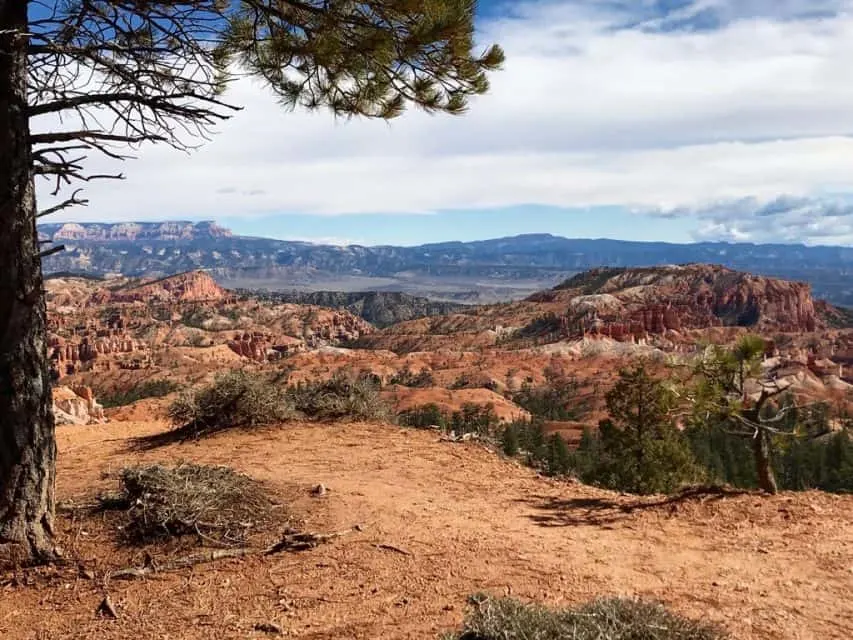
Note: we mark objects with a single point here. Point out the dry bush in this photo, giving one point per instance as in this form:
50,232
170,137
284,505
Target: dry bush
234,399
341,397
217,504
610,619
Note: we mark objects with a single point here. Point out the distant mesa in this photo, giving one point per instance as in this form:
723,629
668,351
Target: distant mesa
619,303
129,231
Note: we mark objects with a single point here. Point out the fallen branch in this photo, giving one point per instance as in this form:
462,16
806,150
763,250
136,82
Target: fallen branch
391,547
182,563
291,541
297,541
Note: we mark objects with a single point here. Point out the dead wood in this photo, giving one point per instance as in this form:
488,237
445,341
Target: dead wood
291,541
181,563
391,547
297,541
106,608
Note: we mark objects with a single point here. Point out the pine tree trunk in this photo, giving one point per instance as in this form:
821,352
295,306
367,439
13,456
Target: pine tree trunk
761,450
27,443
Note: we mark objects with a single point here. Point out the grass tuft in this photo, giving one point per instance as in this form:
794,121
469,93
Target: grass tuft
606,619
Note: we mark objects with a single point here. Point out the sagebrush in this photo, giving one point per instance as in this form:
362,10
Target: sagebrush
243,399
607,619
233,399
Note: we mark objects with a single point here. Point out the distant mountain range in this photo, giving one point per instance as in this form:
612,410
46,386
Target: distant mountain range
479,271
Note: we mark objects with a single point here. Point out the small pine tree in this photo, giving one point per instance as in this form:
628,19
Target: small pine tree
587,454
559,458
510,441
641,450
534,442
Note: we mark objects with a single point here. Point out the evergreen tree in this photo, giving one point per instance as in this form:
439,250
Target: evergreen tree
641,451
559,458
534,442
584,459
510,440
839,463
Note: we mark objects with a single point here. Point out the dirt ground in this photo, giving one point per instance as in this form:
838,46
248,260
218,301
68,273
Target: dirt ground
467,520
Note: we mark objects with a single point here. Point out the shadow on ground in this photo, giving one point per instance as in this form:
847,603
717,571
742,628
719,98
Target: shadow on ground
186,434
603,512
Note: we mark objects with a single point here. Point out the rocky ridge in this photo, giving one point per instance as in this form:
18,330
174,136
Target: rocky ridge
663,307
192,286
634,303
115,333
130,231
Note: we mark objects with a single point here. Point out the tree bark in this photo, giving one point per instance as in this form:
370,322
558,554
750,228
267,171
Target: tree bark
763,464
27,441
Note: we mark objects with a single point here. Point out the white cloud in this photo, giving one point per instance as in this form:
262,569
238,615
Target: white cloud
824,220
583,114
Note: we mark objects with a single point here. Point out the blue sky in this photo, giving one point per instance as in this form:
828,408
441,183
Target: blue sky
465,225
673,120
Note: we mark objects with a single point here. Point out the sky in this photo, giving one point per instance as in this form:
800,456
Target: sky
672,120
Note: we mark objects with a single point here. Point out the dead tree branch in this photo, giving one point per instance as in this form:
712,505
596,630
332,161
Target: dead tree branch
291,541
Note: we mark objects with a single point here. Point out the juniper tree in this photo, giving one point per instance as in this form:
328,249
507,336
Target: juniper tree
121,73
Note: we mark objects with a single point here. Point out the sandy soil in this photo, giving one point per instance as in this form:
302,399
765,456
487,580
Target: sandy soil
765,568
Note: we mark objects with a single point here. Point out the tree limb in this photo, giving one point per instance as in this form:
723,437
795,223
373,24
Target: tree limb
65,204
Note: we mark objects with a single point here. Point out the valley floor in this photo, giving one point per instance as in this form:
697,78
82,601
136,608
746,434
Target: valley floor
765,568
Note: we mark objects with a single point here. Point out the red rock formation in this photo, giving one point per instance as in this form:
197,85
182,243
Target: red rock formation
193,286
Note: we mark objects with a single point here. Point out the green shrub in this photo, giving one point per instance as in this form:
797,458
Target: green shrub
471,418
475,418
530,435
510,440
197,318
639,449
463,381
609,619
659,462
147,389
559,460
197,339
234,399
557,399
424,416
407,378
